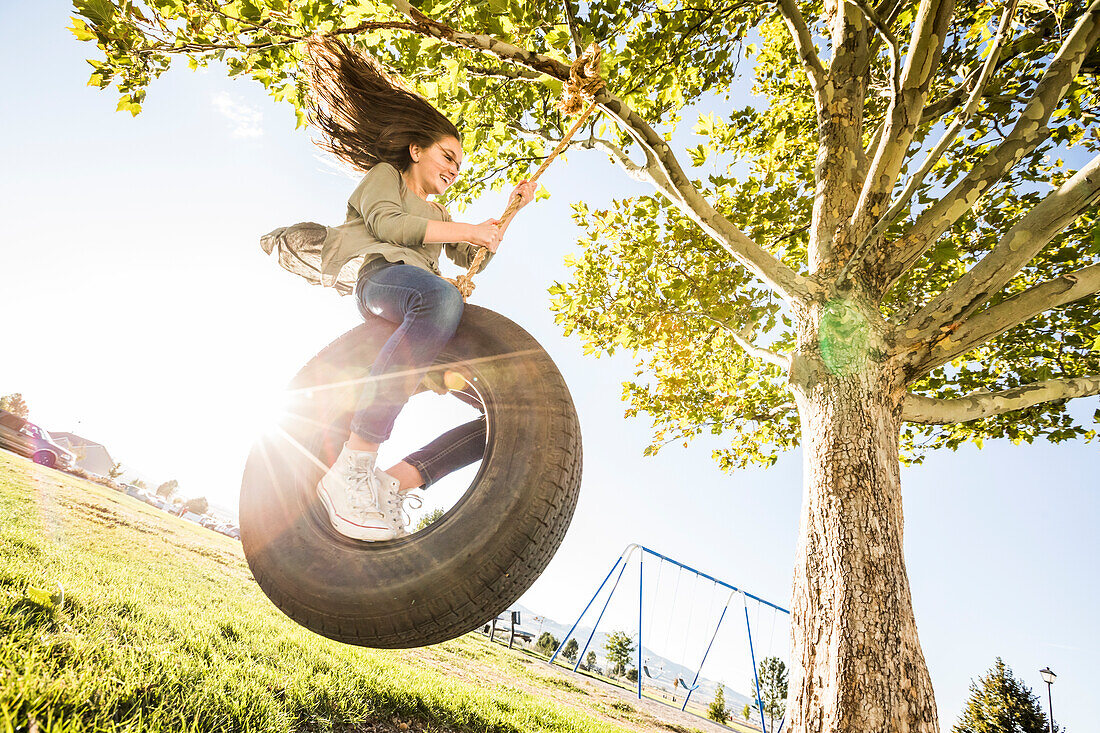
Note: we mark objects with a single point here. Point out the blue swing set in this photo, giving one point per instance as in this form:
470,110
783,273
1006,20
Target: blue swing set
644,665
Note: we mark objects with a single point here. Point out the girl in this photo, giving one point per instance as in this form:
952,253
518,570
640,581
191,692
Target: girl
410,152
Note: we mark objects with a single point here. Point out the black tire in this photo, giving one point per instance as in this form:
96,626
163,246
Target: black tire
45,458
463,569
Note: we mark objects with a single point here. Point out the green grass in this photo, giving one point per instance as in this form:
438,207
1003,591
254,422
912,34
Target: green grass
161,628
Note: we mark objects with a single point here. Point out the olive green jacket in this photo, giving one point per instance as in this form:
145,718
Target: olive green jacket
387,220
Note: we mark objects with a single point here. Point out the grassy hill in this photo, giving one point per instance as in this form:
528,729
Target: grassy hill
115,616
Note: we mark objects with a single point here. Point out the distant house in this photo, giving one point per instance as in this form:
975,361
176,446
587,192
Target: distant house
90,455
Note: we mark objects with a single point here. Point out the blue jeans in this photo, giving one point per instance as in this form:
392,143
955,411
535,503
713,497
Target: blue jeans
428,309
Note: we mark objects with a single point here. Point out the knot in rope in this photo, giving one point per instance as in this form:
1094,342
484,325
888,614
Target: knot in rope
465,281
584,82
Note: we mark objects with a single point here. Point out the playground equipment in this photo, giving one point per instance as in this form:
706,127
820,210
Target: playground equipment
700,607
463,569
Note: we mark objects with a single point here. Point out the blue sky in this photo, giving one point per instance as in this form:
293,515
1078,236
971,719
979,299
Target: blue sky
140,312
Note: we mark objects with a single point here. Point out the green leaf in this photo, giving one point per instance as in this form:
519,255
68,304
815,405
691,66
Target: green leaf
698,155
81,30
100,12
127,104
559,39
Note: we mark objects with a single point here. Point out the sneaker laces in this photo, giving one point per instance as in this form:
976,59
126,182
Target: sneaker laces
415,501
398,511
362,487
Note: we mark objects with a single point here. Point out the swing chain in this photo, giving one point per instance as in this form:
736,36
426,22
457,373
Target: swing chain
584,84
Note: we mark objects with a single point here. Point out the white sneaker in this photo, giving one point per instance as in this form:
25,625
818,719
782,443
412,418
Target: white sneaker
391,500
350,494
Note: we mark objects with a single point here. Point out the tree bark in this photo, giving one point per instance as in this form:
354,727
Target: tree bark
857,664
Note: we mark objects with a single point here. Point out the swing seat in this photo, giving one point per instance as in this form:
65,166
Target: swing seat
462,570
686,686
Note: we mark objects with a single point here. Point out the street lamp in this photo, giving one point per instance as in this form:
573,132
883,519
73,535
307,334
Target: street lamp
1048,677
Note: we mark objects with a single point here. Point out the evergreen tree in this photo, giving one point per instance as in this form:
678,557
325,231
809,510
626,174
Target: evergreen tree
620,651
115,472
773,687
547,643
999,703
570,650
717,710
590,661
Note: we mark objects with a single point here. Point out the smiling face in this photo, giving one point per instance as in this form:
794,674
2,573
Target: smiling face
434,168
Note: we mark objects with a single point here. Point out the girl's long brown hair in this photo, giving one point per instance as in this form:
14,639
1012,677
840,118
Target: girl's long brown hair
365,115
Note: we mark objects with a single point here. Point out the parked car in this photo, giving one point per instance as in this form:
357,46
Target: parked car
26,438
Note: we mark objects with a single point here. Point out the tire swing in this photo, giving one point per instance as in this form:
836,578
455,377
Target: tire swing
465,568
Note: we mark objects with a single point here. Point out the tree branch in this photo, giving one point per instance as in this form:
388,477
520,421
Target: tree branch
889,9
804,44
949,135
978,405
1014,250
783,361
903,117
505,73
574,32
992,322
952,131
1033,39
648,173
891,42
743,336
778,276
837,166
1029,130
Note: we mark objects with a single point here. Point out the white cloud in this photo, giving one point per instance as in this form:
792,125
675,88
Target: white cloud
246,121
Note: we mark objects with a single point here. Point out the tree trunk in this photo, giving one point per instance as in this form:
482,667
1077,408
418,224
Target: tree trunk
857,666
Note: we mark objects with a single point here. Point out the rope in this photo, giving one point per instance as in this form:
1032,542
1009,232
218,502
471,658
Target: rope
583,86
584,81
